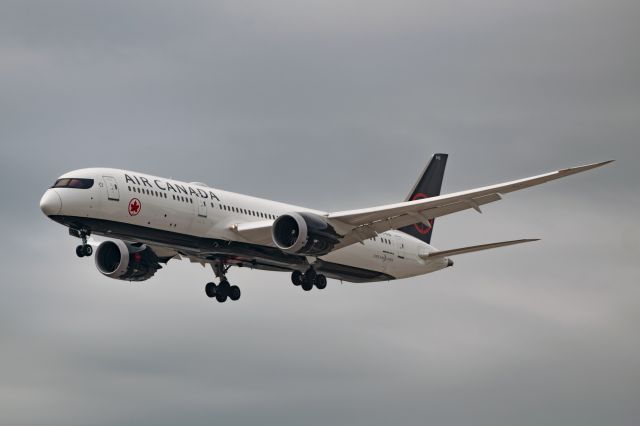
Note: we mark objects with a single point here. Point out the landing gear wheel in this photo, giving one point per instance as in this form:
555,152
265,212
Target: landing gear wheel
84,250
224,287
297,277
321,282
307,283
310,275
234,292
223,291
210,289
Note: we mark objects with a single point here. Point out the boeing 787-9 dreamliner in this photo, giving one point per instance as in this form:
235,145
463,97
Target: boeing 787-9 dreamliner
150,220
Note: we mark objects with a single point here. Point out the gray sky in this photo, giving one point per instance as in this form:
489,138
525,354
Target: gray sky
333,105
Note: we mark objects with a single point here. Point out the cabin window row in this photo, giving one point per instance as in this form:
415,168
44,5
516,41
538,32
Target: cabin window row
382,240
183,199
155,193
248,212
151,192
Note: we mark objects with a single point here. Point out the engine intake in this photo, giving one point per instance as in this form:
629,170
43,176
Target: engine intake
304,233
124,261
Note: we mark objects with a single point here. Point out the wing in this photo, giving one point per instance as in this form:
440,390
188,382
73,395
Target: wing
358,225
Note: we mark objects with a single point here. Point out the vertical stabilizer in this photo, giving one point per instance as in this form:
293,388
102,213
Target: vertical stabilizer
428,185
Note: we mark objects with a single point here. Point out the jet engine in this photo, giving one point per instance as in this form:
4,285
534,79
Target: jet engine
125,261
304,233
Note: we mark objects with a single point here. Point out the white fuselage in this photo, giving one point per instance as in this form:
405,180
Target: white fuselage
153,204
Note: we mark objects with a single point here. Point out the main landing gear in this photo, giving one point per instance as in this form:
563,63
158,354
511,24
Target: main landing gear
224,290
83,249
309,279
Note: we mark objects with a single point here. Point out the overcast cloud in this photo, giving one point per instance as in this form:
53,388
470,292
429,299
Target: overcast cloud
333,105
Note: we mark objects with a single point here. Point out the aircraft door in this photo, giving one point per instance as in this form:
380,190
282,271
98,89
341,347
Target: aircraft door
399,246
202,207
112,188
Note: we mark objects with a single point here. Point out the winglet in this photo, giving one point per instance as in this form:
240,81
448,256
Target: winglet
579,169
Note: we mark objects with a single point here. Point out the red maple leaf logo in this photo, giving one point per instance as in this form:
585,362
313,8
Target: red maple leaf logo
422,228
134,207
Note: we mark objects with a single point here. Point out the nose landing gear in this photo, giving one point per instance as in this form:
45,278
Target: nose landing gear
83,249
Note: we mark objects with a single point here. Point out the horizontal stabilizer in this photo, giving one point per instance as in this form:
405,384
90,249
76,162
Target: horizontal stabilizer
471,249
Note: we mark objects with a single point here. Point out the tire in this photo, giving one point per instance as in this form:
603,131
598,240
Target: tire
234,293
310,275
307,284
221,298
296,278
80,251
224,287
210,289
87,250
321,282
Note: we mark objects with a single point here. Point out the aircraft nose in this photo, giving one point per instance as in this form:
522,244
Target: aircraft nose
50,203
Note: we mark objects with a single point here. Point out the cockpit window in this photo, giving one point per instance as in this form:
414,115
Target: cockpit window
73,183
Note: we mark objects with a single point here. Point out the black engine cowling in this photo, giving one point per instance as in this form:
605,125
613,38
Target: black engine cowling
125,261
304,233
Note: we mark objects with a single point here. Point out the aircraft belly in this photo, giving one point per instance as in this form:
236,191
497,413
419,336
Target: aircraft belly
361,256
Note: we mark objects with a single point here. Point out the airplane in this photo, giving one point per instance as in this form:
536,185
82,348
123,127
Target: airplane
150,220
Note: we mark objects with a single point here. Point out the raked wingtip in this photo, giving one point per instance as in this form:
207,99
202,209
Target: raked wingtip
585,167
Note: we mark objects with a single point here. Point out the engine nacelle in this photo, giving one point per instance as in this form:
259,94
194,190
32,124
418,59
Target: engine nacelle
125,261
304,233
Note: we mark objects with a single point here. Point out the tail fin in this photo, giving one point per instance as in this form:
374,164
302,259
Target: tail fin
428,185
